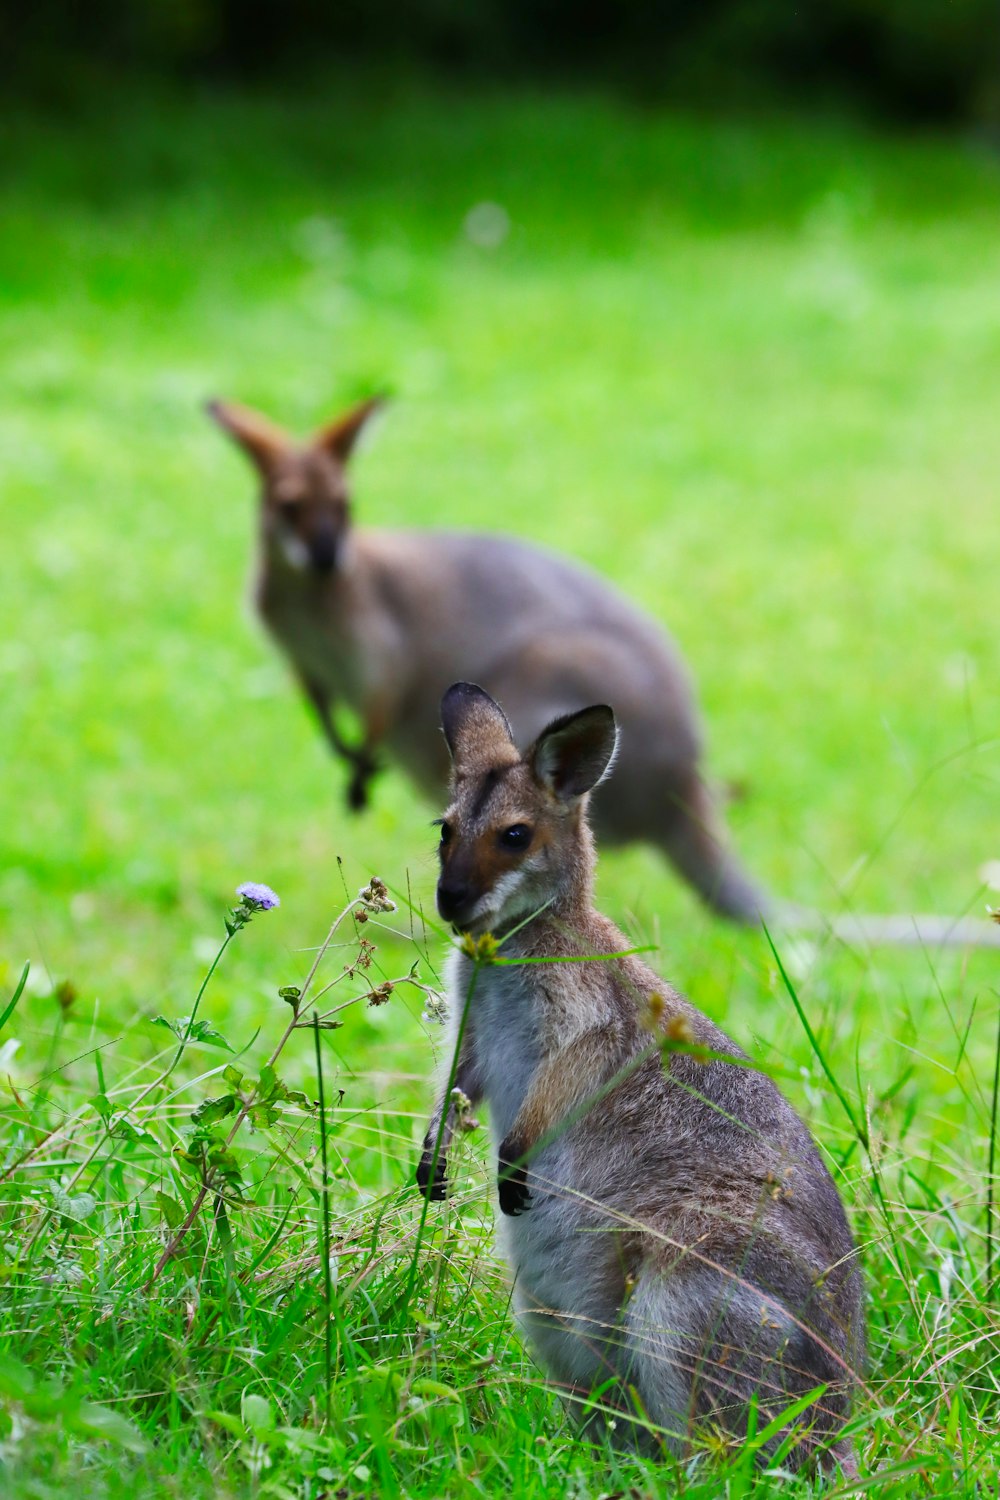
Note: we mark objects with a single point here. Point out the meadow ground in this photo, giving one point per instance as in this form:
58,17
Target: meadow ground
751,371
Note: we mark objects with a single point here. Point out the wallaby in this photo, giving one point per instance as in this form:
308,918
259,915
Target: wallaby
383,621
676,1242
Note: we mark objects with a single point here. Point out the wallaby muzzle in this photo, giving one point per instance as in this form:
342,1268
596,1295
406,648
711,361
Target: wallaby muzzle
455,902
323,551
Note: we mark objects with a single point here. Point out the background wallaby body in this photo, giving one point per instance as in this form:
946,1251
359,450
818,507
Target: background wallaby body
383,621
675,1231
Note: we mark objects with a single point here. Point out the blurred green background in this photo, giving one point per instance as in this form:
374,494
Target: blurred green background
748,369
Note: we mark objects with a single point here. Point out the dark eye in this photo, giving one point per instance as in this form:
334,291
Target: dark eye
518,836
445,833
291,510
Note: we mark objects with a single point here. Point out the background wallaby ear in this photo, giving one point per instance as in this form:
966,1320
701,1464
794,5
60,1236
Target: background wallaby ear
475,726
260,439
339,436
576,752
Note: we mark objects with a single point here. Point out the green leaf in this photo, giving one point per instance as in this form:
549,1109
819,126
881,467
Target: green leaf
171,1210
77,1207
101,1421
122,1127
201,1031
227,1422
296,1096
257,1413
17,1382
434,1388
233,1077
11,1005
214,1109
102,1104
268,1080
263,1116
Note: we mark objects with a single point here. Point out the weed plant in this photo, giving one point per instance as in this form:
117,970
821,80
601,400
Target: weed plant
203,1246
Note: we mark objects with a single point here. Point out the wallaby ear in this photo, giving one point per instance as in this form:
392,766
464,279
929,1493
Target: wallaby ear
475,728
260,439
340,436
576,752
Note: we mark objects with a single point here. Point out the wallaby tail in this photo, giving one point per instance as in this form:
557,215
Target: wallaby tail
895,930
696,843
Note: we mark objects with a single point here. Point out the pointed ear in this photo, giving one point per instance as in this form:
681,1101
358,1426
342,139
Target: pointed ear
475,728
575,753
340,436
260,439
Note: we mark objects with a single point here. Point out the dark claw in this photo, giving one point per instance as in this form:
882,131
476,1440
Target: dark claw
434,1189
512,1182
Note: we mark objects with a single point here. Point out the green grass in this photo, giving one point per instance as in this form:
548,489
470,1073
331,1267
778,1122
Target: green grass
750,371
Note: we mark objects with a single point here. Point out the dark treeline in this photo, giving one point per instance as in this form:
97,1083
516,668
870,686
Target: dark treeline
915,59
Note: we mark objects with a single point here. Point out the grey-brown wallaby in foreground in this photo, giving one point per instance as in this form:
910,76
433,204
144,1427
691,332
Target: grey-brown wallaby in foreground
383,621
676,1242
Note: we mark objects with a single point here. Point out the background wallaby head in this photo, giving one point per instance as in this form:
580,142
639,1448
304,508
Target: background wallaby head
514,837
306,500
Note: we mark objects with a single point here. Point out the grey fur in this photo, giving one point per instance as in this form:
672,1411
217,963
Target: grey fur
669,1222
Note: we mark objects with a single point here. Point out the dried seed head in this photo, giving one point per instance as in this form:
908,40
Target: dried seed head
435,1008
462,1105
679,1029
375,896
483,949
653,1012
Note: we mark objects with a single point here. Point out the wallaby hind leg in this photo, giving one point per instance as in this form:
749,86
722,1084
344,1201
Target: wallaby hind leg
691,834
701,1345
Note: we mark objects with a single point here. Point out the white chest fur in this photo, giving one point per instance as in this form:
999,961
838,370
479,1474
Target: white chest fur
503,1019
556,1264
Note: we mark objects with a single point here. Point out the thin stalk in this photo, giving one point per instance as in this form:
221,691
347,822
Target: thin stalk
991,1166
194,1011
173,1244
452,1075
325,1241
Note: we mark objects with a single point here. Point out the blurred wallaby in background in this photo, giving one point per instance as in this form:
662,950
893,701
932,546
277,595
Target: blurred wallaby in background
676,1242
384,621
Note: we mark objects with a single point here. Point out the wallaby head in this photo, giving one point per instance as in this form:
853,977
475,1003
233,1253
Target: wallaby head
515,836
306,500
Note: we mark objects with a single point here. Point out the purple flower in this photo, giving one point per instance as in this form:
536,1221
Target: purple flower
259,897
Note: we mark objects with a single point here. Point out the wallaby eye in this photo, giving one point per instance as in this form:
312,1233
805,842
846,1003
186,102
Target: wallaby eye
291,510
445,832
518,836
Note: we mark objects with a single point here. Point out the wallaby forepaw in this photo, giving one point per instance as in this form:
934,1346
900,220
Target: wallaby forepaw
512,1182
432,1183
357,791
365,768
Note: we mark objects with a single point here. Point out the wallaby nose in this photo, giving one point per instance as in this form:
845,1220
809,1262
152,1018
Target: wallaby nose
323,552
452,901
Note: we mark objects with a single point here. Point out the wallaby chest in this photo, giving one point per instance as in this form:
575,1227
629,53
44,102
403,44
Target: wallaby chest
506,1021
314,626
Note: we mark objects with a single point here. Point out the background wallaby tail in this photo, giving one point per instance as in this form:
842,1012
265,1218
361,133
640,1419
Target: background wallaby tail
896,930
695,842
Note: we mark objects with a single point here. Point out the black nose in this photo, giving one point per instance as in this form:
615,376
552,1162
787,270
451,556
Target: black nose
452,900
323,552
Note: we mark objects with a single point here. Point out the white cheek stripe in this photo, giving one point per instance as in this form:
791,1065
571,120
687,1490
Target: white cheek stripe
295,550
492,904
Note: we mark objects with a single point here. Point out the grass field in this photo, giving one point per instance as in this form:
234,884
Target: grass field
749,371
